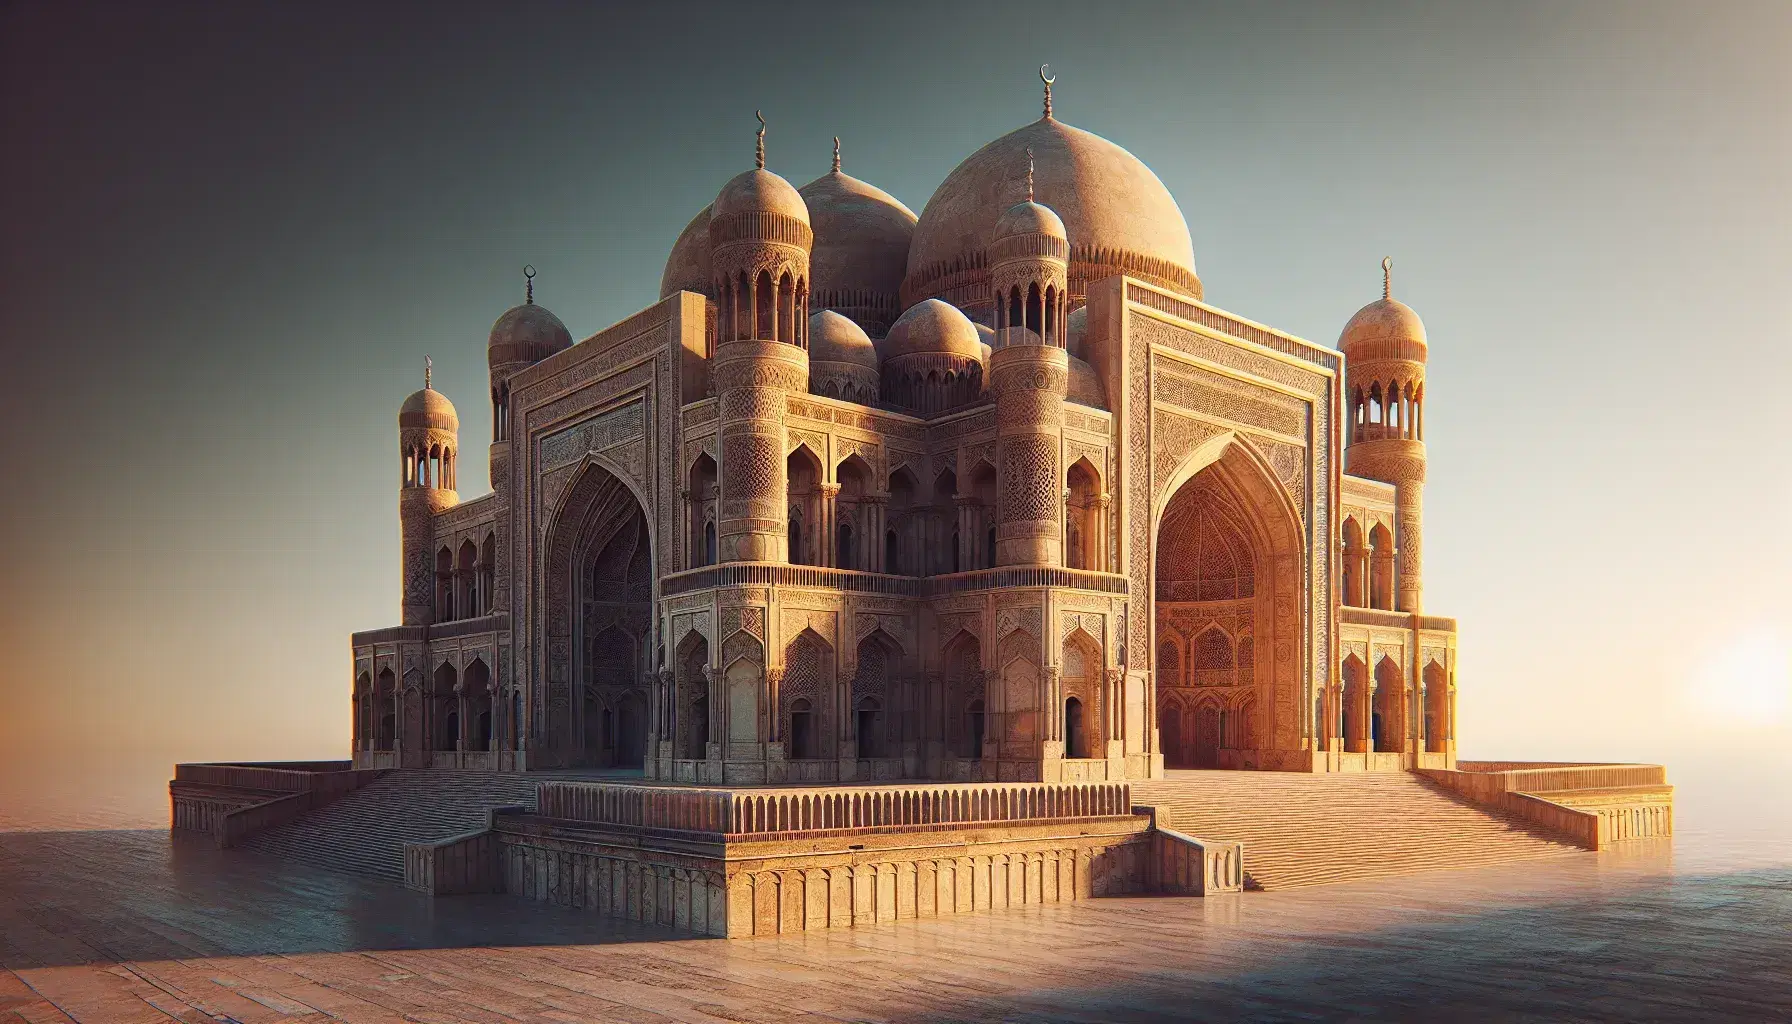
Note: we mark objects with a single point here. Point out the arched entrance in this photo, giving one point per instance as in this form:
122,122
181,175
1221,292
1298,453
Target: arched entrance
1228,578
600,574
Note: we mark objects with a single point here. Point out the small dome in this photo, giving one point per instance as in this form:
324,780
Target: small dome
428,409
1029,218
862,235
760,191
836,339
932,327
524,334
1085,386
687,269
1076,331
1386,328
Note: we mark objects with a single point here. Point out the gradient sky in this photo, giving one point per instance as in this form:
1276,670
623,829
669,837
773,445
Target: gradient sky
232,233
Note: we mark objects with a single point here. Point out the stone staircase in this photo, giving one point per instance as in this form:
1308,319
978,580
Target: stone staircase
364,832
1300,829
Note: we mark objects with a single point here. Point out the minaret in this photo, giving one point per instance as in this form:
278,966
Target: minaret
760,241
429,451
523,336
1029,374
1029,263
1384,380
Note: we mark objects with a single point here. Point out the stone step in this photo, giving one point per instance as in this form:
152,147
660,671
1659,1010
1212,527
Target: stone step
1301,830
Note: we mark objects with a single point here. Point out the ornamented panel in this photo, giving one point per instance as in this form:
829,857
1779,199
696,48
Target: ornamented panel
625,423
1215,395
1151,331
1176,437
1029,472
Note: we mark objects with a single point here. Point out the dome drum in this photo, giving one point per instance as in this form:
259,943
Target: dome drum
758,227
931,383
1023,247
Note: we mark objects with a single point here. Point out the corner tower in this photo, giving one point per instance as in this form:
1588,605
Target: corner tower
1029,376
1385,351
760,240
429,450
523,336
1029,263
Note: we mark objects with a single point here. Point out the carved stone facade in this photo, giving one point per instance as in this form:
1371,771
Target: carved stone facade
1107,531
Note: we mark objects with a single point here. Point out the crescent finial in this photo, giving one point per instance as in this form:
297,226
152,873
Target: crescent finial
1387,277
1048,78
836,154
759,149
529,283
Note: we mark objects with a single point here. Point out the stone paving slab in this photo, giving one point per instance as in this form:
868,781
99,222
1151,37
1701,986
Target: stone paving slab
153,926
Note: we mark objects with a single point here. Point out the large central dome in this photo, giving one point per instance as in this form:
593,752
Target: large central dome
1119,216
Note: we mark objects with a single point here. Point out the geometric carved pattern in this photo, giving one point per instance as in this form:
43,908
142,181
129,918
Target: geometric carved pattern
1029,479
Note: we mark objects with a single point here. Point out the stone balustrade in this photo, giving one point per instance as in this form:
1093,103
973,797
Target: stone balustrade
750,812
1595,805
230,801
778,574
1183,865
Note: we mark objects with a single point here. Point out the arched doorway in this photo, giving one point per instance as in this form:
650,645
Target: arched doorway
600,574
1227,575
1076,740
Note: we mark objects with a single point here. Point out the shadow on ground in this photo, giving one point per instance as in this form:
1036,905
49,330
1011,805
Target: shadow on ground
73,897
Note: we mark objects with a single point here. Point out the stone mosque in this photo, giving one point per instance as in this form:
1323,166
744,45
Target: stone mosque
985,495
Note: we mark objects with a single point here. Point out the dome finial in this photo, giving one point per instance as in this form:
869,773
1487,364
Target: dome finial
759,150
529,285
1030,173
428,366
1048,79
1387,277
836,154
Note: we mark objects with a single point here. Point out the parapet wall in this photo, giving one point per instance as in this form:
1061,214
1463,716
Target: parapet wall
761,862
1595,805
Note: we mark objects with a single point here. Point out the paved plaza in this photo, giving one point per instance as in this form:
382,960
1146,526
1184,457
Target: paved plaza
153,926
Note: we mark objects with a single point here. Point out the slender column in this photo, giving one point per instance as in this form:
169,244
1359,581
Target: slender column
967,531
874,527
828,518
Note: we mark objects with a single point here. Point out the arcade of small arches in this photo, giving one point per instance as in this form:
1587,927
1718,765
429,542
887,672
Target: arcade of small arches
434,465
1368,566
455,710
1390,409
764,308
1044,312
905,528
465,584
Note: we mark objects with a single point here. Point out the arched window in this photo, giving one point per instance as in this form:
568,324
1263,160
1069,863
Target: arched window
444,586
767,307
870,721
1381,568
845,544
1035,314
709,543
1016,314
891,563
1076,742
1051,315
974,729
488,567
802,729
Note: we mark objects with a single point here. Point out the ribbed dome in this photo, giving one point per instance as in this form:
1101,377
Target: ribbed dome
1029,218
1386,328
687,269
1117,214
1085,386
428,409
932,327
760,191
524,334
862,237
835,339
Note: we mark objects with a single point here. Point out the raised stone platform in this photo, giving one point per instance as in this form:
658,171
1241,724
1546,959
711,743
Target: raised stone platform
735,862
